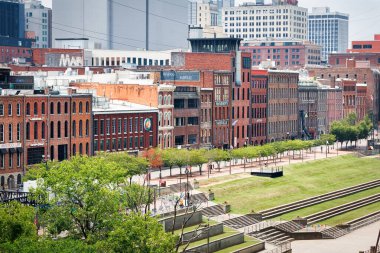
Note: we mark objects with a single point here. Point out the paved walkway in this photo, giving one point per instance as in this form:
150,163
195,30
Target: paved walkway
359,240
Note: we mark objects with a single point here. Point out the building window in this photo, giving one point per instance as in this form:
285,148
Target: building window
136,125
10,132
74,129
43,108
18,109
80,148
2,161
35,131
102,127
80,128
114,126
87,107
141,125
27,130
35,108
87,149
10,160
66,129
18,132
59,108
125,125
80,107
74,149
119,126
43,130
18,159
87,127
27,109
66,108
9,109
51,108
59,129
95,127
130,125
1,132
108,126
74,107
51,129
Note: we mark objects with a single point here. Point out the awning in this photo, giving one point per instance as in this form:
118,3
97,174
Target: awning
20,150
3,151
12,150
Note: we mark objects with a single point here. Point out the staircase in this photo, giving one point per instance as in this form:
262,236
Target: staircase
240,222
333,233
272,235
212,211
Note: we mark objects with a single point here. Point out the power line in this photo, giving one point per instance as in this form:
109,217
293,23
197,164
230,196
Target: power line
116,36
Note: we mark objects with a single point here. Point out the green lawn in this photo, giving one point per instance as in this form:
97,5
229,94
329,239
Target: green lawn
188,229
354,214
329,204
300,181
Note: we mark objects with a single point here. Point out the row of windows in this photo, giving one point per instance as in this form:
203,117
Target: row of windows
283,127
59,134
125,125
10,132
167,100
10,164
122,143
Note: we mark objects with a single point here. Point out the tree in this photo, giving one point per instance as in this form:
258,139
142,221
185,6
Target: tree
197,158
154,157
181,158
217,155
168,158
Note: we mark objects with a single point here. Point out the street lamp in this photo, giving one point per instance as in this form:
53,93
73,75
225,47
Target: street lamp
187,195
327,143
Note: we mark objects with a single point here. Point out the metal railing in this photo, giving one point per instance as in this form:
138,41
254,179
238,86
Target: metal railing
280,249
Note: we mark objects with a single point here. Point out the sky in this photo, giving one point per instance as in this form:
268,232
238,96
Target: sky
364,14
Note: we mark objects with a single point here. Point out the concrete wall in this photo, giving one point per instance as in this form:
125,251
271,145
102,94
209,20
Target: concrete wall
214,230
219,244
196,218
251,249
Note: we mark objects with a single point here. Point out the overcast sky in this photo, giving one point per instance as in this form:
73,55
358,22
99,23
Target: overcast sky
364,14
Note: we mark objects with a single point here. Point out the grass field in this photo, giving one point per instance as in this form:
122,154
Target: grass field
299,181
343,218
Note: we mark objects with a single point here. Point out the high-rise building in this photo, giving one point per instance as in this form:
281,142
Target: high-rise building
38,24
328,29
203,13
257,21
123,24
223,4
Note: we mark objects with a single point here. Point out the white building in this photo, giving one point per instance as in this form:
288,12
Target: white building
38,23
255,21
123,25
328,29
203,13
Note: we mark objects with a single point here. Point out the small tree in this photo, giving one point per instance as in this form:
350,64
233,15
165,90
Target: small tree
197,158
168,158
217,155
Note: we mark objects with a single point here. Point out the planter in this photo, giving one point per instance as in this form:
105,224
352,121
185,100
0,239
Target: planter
211,196
227,208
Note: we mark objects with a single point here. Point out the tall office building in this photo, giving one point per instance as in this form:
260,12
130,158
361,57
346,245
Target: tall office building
38,24
203,13
328,29
285,20
223,4
127,24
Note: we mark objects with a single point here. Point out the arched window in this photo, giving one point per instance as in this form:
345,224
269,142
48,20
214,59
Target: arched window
51,129
35,130
66,129
169,118
87,127
35,108
81,149
74,149
87,107
28,109
87,149
74,107
27,131
74,129
165,99
160,119
19,181
1,132
66,108
80,107
59,129
80,128
59,108
51,108
169,100
43,108
52,152
2,181
43,130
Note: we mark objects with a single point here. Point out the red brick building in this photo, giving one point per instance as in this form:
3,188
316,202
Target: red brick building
35,128
57,57
8,54
124,126
259,86
285,54
372,46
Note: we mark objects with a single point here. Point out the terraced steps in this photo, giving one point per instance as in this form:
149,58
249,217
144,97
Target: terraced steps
279,210
289,227
212,211
241,221
363,221
333,233
198,198
320,216
272,235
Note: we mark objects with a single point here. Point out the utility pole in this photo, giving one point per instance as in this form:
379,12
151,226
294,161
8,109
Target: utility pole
147,25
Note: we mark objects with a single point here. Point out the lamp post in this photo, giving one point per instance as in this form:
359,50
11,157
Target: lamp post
327,143
187,195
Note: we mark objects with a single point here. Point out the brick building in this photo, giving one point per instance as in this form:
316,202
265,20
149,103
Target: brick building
123,126
144,92
285,54
36,128
334,105
282,105
364,75
366,46
259,102
10,54
362,59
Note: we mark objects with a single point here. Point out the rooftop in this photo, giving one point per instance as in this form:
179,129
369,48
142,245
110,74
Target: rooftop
119,107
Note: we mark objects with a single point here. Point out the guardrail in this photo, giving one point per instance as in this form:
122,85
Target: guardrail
281,249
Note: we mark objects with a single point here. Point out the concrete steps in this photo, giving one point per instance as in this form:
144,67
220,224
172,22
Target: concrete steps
212,211
272,235
279,210
240,222
320,216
